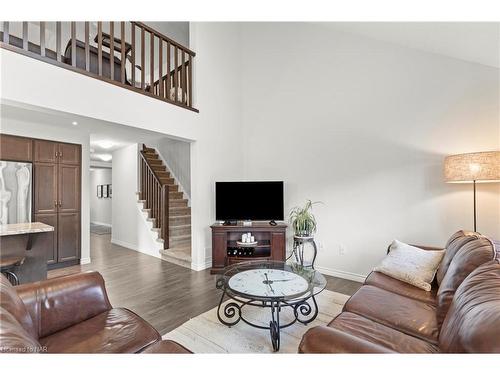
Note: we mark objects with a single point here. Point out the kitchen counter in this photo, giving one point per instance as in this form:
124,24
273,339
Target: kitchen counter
24,228
33,241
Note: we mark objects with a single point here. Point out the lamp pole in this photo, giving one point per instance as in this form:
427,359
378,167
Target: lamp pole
474,187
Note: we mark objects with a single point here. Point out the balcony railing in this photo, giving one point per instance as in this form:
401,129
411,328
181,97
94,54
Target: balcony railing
131,55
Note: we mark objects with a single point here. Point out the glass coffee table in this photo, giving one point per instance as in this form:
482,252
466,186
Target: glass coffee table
269,284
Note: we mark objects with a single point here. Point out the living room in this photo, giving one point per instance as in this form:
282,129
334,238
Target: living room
277,187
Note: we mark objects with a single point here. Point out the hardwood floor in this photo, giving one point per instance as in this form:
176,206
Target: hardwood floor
164,294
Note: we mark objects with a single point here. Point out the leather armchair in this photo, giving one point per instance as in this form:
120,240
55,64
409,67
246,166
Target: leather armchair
72,314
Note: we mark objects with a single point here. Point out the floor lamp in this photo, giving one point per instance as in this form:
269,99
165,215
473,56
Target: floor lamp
472,168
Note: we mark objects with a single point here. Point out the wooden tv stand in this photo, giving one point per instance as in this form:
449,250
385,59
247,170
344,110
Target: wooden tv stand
271,243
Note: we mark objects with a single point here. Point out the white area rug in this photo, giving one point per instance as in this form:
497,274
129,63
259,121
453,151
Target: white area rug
205,334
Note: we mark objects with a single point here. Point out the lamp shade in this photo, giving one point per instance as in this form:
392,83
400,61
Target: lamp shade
477,166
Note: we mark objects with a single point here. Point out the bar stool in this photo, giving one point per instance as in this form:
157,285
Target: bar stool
7,266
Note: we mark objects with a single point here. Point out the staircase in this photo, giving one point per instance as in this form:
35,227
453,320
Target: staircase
159,191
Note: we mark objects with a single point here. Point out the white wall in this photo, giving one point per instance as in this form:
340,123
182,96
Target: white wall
100,208
177,154
364,126
71,135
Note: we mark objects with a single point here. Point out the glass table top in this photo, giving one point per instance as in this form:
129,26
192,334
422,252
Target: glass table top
267,280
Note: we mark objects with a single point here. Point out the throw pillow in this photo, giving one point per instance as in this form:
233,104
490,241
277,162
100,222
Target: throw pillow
411,264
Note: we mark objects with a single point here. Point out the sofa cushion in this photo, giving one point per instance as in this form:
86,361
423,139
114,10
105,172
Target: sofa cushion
391,284
404,314
114,331
472,324
470,256
455,243
164,347
380,334
10,301
13,337
411,264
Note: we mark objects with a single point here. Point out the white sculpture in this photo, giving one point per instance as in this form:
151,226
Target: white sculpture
23,183
4,196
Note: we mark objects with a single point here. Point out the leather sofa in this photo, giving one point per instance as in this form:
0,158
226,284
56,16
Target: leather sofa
461,314
72,314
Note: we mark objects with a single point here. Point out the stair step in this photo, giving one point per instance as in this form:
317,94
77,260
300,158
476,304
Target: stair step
154,162
167,180
179,211
163,174
176,194
159,167
179,220
178,240
178,203
177,255
180,230
148,149
151,155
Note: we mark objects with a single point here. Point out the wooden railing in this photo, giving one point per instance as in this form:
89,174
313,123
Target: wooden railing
155,195
131,55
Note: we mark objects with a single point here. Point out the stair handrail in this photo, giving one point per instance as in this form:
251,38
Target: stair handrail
160,200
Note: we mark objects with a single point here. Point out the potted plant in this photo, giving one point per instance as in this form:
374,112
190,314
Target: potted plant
303,221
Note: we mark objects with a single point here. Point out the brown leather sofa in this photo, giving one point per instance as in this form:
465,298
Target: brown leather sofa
72,314
461,314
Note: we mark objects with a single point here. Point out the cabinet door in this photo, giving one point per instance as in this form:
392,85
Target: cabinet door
50,242
68,237
15,148
45,189
278,246
69,188
69,153
45,151
219,249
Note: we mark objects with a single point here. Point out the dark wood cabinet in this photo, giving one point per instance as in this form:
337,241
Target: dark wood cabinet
45,151
69,188
57,194
45,188
15,148
50,241
68,237
271,244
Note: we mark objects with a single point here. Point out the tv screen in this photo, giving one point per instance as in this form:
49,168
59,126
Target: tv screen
255,200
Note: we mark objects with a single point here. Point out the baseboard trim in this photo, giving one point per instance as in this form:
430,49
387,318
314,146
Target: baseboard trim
124,244
342,274
99,223
202,266
85,261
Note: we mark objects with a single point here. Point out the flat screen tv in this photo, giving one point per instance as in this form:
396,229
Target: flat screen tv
253,200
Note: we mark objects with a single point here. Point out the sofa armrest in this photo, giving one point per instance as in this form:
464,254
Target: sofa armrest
331,340
59,303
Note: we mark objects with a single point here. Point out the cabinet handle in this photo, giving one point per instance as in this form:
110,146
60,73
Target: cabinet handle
55,203
60,204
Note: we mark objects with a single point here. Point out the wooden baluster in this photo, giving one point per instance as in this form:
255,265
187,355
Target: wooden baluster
160,65
151,61
132,52
6,35
25,36
99,47
73,44
176,77
164,228
112,50
42,39
122,47
87,46
190,86
168,71
58,41
143,72
184,78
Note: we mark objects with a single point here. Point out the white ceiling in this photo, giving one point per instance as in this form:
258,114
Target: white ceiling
477,42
